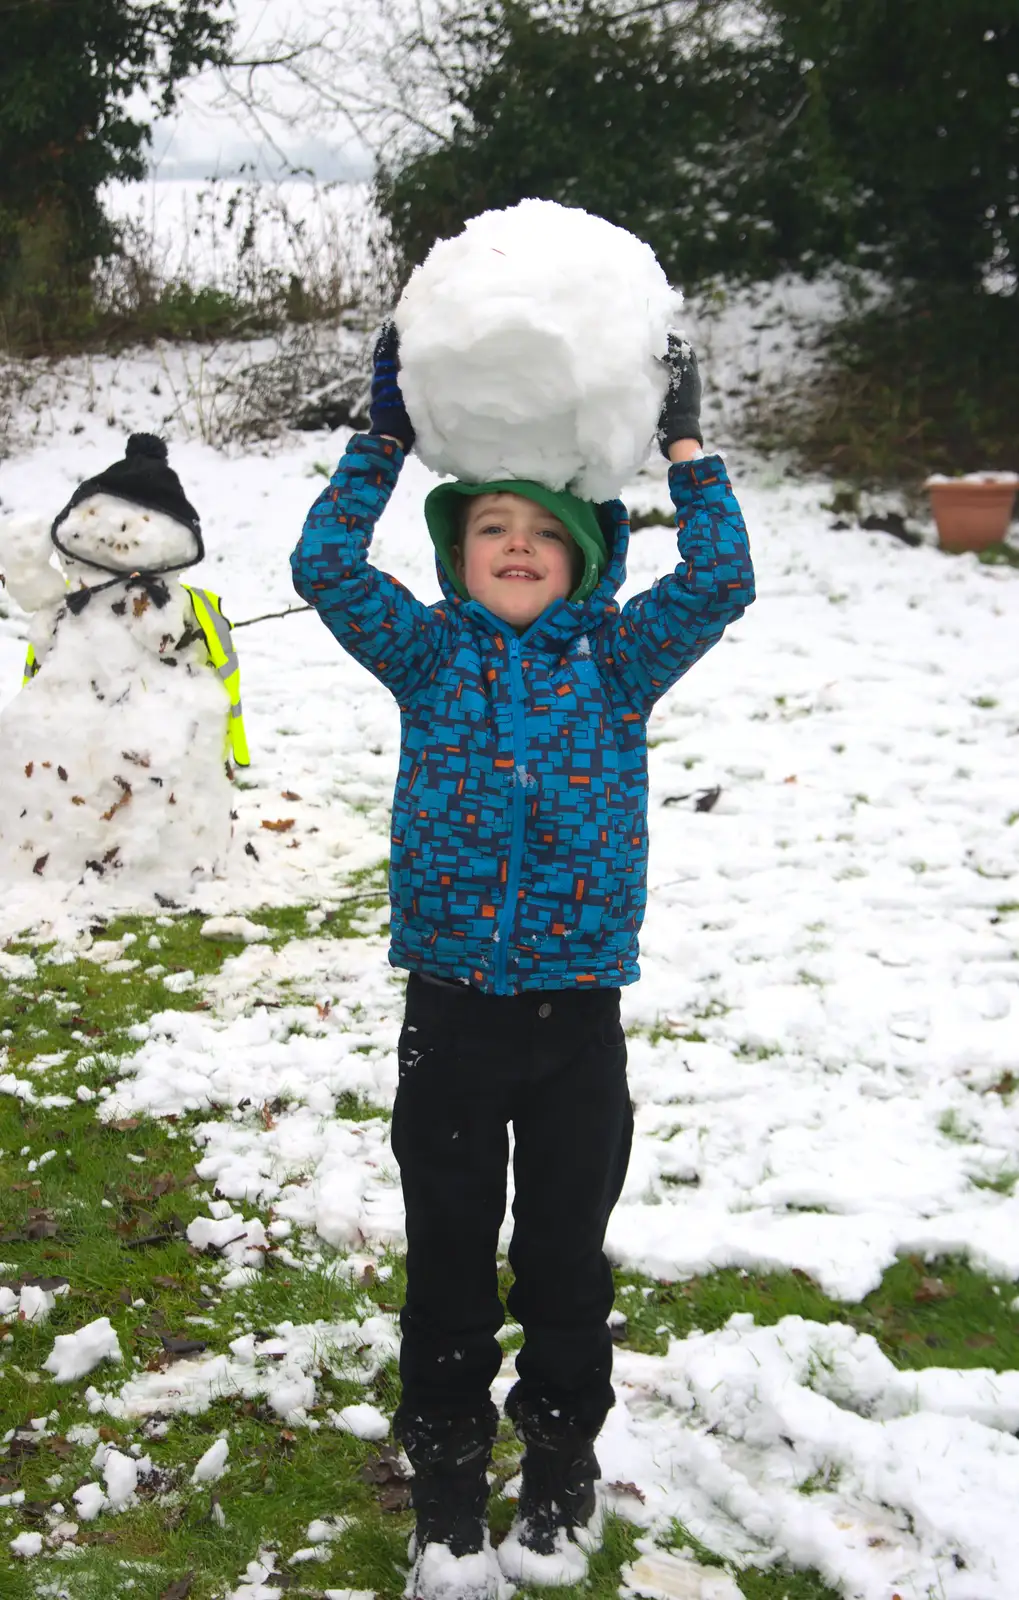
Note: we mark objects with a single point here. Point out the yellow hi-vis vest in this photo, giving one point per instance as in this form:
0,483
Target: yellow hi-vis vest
220,645
223,656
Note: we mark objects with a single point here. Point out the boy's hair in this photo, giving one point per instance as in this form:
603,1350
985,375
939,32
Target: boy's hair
445,514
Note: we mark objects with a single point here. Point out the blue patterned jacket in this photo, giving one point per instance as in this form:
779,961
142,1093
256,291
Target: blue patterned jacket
519,833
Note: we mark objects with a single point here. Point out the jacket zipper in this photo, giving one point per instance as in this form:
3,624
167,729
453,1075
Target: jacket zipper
516,855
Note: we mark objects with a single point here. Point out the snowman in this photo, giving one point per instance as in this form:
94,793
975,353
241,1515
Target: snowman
116,753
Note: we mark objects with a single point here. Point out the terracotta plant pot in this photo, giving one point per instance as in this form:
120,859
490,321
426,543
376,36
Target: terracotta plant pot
972,512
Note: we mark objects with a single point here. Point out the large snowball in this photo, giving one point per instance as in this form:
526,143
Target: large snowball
530,347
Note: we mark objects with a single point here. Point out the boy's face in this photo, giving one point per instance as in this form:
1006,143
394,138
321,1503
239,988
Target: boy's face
515,557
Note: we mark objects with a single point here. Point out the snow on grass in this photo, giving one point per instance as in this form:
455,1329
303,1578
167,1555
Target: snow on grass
279,1367
76,1354
822,1050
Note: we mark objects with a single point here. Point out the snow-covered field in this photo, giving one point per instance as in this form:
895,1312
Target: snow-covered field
829,1007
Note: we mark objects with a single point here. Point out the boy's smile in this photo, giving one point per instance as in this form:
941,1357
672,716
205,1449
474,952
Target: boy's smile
515,558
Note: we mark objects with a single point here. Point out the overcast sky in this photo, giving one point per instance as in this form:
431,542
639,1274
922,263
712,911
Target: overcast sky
204,140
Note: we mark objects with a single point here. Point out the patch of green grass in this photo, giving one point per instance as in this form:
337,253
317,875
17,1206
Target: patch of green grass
770,1583
84,1215
660,1031
939,1313
952,1127
1002,1183
999,555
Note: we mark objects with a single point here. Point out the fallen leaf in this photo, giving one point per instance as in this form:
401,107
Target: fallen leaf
77,799
288,794
626,1488
709,799
124,1124
249,850
165,1281
22,1445
29,768
933,1289
791,778
41,1228
384,1467
323,1008
177,1346
981,1341
283,825
172,1228
125,795
62,774
394,1497
40,864
34,1510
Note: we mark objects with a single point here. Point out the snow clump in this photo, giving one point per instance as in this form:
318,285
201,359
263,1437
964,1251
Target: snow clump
89,1501
531,346
364,1421
75,1354
213,1463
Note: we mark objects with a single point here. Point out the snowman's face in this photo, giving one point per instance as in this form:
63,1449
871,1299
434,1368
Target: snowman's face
125,537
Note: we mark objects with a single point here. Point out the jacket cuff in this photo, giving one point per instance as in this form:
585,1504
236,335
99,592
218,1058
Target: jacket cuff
704,469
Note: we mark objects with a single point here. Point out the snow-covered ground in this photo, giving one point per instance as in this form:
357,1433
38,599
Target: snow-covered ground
830,996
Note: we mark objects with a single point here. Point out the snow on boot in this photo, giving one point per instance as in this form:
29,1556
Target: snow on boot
559,1518
437,1574
450,1550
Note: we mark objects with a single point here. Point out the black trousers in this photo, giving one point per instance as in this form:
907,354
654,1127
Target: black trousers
552,1064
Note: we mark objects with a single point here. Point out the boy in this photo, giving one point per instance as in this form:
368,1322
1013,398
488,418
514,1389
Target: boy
518,882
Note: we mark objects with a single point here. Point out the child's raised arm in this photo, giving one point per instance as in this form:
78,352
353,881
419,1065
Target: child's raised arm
373,616
659,634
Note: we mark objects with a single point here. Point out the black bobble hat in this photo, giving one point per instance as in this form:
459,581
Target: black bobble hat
144,478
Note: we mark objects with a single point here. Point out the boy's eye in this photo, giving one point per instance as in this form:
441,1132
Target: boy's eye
492,527
550,533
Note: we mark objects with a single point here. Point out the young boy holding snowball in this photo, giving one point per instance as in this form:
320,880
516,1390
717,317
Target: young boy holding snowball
518,886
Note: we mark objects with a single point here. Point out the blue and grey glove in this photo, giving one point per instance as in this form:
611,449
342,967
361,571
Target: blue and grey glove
387,411
681,411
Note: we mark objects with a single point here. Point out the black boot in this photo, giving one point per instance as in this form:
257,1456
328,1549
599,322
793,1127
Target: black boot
449,1493
557,1513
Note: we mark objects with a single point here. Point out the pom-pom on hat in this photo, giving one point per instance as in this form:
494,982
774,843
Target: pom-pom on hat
144,478
442,514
